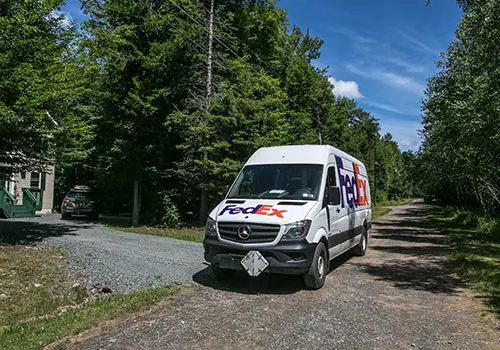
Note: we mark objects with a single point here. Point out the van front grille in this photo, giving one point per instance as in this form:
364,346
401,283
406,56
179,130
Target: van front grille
260,233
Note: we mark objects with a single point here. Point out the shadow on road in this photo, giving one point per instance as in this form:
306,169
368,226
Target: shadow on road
242,283
265,283
414,274
412,253
28,232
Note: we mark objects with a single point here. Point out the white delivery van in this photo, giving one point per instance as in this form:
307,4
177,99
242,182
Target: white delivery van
291,210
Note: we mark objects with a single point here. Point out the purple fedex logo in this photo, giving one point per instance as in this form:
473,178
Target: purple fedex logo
353,186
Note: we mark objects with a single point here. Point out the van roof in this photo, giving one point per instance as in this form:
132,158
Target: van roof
298,154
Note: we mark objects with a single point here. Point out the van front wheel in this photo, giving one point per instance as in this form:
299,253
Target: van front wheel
315,277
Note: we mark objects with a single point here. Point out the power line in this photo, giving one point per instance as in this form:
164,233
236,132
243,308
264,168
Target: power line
235,54
181,33
242,58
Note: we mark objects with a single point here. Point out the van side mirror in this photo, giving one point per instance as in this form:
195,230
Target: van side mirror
333,195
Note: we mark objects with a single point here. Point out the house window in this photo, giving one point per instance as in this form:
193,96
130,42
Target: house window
35,180
23,175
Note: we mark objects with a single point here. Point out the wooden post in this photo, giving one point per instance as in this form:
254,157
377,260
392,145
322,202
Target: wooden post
137,203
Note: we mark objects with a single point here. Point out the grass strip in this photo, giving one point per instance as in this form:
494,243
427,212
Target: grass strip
378,212
43,331
191,234
475,249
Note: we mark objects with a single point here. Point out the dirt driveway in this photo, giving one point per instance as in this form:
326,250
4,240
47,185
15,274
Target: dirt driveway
401,295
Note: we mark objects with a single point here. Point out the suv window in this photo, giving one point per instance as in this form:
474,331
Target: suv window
85,195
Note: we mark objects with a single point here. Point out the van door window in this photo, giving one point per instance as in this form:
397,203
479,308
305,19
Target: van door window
330,181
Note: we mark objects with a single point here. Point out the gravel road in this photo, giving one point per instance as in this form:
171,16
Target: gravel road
123,261
401,295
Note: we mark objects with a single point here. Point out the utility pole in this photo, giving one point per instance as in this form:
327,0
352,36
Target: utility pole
204,193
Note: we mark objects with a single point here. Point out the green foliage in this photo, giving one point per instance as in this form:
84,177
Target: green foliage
128,89
33,55
489,229
459,160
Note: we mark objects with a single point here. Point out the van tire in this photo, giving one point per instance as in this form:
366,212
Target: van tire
65,216
221,274
315,277
360,249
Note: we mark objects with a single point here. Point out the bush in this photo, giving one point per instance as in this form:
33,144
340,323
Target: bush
168,213
489,229
466,218
381,197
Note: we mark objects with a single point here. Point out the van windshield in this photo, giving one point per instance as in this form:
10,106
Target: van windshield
278,181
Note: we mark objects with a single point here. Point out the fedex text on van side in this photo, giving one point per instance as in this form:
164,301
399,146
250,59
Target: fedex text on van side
353,189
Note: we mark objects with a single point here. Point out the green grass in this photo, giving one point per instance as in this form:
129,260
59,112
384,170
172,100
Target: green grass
378,212
394,202
33,282
475,242
40,332
192,234
40,303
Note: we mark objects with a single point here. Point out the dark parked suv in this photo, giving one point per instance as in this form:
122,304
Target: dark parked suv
79,201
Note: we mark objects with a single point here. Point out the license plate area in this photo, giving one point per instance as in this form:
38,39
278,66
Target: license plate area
254,263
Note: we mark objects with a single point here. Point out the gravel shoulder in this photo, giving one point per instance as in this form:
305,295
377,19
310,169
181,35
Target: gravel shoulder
402,294
125,262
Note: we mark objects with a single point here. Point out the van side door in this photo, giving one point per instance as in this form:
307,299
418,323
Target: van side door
337,216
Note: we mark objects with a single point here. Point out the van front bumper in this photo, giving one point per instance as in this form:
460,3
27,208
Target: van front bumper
293,258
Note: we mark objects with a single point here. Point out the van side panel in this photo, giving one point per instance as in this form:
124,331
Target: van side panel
348,218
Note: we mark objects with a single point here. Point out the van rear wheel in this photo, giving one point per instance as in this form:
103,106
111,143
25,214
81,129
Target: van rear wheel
360,249
315,277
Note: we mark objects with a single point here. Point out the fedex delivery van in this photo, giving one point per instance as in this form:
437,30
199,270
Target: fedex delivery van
291,210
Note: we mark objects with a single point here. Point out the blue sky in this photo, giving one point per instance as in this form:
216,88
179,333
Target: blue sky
378,52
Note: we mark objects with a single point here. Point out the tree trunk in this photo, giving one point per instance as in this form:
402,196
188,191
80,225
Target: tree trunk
203,206
137,203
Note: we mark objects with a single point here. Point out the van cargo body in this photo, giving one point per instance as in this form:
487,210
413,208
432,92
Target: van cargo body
291,210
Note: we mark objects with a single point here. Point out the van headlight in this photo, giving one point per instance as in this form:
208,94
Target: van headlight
210,228
296,230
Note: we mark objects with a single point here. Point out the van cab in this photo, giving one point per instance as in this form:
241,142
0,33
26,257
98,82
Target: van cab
291,210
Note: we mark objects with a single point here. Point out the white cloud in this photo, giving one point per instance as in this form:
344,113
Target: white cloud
407,143
388,54
382,106
403,130
349,89
64,17
410,67
417,44
407,83
391,79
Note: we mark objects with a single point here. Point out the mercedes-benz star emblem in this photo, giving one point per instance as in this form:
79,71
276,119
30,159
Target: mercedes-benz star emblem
244,232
